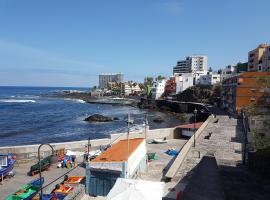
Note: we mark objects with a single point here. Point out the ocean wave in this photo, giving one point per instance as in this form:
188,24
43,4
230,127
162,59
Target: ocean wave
17,101
76,100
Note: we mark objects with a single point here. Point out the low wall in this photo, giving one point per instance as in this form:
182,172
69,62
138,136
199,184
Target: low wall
184,151
30,151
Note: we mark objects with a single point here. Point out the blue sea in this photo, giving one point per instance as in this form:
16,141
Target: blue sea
30,115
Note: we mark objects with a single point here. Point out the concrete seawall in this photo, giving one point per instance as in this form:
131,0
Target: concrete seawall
184,151
30,151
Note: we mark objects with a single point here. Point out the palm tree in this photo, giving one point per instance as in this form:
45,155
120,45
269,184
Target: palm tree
159,78
149,80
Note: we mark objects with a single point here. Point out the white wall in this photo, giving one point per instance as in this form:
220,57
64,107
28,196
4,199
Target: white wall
158,88
183,82
215,79
135,159
228,71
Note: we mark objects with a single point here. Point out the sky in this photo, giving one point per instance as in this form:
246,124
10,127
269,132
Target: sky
68,43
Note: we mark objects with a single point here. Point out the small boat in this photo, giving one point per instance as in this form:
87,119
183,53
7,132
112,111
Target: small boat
62,189
6,164
73,180
27,192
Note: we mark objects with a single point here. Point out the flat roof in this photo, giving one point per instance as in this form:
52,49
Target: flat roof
118,152
197,125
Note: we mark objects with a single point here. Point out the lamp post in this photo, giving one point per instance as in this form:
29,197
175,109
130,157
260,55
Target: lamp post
194,136
145,126
40,176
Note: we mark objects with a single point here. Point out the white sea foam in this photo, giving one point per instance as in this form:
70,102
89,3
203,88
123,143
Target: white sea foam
17,101
77,100
80,101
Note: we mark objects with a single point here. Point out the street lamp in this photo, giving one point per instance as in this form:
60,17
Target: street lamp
195,115
40,176
129,122
145,126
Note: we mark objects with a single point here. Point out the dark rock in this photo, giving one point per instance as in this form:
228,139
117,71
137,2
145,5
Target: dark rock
158,119
115,118
98,118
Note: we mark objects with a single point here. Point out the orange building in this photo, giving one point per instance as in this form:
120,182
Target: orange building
170,86
242,90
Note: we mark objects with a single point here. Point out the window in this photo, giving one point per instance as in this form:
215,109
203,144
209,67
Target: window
3,161
253,90
252,99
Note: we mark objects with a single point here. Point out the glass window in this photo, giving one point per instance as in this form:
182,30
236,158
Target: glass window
3,161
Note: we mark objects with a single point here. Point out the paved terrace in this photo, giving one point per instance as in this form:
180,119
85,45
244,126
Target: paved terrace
11,185
224,143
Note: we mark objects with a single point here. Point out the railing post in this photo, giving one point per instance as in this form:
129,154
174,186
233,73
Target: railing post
40,176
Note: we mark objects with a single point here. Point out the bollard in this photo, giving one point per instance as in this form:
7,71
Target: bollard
179,195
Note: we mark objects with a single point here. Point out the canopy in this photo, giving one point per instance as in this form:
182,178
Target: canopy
131,189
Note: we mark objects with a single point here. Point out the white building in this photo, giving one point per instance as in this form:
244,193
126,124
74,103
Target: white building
192,64
158,88
198,75
127,89
183,81
130,89
209,79
228,71
215,78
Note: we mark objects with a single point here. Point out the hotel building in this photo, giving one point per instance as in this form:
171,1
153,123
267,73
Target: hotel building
192,64
104,79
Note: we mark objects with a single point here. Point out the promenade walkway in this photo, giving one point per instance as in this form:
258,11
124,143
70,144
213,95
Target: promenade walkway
223,138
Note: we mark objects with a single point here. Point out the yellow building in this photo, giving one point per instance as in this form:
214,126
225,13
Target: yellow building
259,59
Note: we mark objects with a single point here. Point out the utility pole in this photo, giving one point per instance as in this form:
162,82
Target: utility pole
128,135
128,121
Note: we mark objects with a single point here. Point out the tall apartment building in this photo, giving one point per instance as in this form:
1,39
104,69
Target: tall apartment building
259,59
192,64
104,79
242,90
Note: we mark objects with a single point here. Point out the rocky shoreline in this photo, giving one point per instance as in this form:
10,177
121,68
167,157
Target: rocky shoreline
138,103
